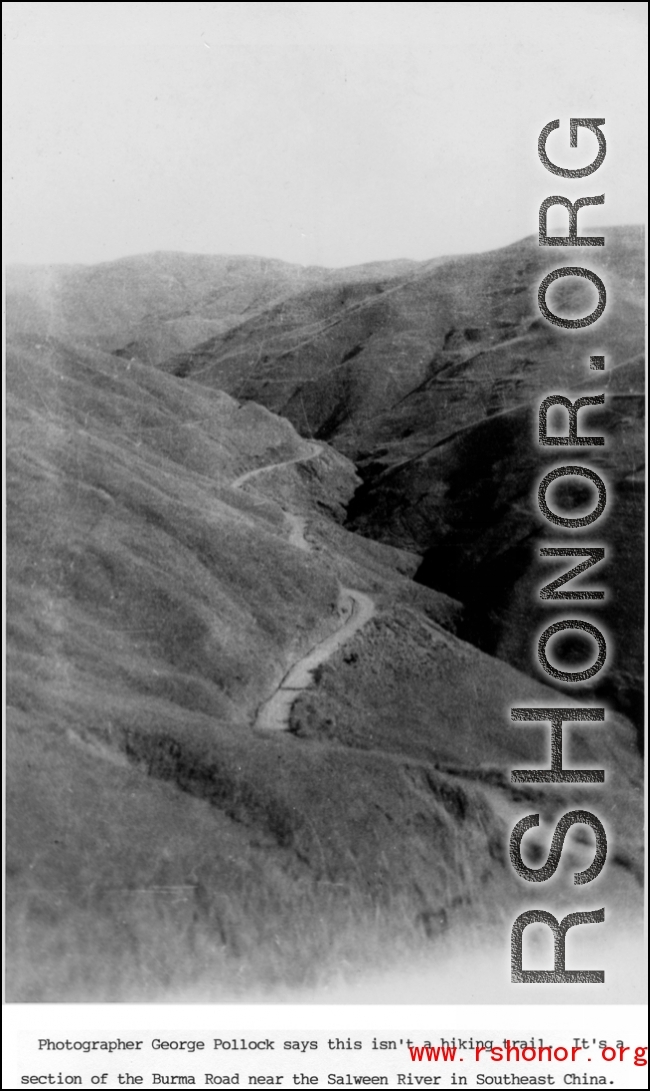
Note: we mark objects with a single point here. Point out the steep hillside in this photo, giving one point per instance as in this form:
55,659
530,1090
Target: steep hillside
166,840
429,380
409,358
149,305
468,504
152,305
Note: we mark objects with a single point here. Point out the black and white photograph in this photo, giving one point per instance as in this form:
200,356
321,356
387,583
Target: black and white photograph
325,505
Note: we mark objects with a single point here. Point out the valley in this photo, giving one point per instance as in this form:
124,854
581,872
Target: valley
271,563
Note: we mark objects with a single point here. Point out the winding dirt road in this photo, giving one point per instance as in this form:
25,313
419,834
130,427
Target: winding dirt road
355,610
243,478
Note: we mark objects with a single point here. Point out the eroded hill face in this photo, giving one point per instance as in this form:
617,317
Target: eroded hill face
161,845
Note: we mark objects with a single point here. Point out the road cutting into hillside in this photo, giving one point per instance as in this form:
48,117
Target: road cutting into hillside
316,450
355,610
297,523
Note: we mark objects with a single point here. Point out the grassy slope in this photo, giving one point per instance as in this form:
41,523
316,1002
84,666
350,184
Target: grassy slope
157,845
429,379
409,357
151,305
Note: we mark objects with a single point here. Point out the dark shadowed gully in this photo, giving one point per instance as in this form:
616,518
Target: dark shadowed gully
244,495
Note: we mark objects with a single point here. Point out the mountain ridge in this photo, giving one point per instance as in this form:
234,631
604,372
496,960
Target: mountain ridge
159,843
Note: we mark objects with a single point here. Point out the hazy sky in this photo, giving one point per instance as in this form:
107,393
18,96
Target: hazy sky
322,133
